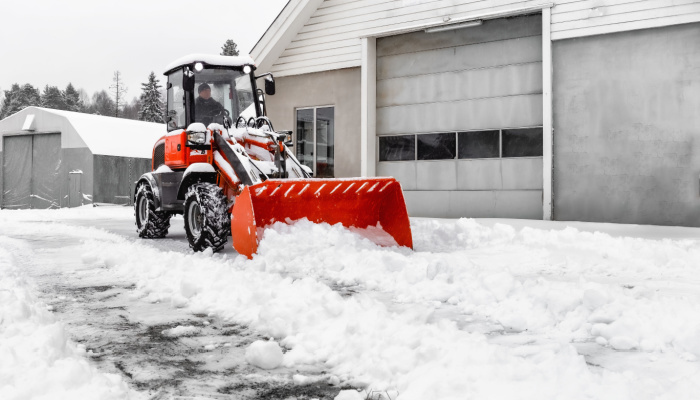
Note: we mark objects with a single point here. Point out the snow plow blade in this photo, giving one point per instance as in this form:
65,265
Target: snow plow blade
374,207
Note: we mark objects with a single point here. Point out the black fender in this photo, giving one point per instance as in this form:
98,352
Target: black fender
150,180
191,177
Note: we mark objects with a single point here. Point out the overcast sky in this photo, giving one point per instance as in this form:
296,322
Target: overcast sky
85,41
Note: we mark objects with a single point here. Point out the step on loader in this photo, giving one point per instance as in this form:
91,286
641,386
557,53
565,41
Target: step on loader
223,167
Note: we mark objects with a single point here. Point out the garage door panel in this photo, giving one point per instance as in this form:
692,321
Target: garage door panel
500,112
404,172
522,173
491,30
436,175
427,203
46,171
502,203
17,169
508,80
479,174
482,55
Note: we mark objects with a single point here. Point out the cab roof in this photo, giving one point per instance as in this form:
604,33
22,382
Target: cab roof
210,60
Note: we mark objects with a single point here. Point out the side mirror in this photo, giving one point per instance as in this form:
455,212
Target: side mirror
270,85
188,80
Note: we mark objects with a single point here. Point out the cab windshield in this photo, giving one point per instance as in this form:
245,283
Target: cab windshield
221,94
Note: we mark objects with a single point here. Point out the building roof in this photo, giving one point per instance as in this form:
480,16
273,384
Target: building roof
281,32
100,134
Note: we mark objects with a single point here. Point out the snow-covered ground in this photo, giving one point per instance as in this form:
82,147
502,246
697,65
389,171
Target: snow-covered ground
482,309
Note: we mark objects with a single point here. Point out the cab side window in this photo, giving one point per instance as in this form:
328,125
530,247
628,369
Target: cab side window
176,102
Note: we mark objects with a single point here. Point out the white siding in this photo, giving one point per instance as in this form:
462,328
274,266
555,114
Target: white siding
331,38
574,18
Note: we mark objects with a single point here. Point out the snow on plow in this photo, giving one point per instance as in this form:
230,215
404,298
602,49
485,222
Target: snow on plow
373,207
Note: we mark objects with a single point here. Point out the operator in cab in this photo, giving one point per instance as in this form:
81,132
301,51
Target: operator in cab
205,107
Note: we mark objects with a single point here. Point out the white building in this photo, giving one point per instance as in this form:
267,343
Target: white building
572,109
53,158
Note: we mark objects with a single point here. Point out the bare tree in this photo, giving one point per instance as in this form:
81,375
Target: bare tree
85,98
118,91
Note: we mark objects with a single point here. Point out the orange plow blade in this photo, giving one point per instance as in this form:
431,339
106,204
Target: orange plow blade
375,206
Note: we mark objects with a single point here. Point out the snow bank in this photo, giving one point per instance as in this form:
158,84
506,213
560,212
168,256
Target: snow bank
36,358
479,312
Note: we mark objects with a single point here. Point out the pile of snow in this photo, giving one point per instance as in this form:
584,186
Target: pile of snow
37,360
475,311
264,354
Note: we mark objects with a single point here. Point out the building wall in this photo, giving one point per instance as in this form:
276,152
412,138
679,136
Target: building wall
330,38
114,178
627,127
339,88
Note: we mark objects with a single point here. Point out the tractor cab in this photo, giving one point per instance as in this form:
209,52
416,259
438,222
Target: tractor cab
213,89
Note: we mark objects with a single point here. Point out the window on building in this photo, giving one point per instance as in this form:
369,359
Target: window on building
315,137
436,146
397,148
526,142
478,144
494,143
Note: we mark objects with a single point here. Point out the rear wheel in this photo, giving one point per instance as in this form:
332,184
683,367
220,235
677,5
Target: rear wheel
150,224
207,222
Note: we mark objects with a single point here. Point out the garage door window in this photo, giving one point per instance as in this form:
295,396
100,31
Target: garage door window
522,142
436,146
479,144
315,140
397,148
494,143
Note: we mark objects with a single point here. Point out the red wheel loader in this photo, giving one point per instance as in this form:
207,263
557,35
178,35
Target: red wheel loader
223,167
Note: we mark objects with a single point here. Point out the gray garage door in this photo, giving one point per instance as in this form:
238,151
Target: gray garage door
31,171
459,118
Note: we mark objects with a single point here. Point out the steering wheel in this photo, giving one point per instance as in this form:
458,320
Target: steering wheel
220,112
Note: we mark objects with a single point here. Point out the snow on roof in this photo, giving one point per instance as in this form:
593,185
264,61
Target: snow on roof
211,59
112,136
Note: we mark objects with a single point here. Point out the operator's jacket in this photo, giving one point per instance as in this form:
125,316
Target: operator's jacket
205,110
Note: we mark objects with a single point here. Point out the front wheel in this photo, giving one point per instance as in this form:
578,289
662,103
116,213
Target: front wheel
207,222
150,224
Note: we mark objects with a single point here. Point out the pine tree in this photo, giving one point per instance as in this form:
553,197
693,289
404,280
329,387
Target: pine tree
71,98
230,48
52,98
151,102
118,90
18,98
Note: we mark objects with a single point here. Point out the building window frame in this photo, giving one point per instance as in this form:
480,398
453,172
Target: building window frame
315,139
456,150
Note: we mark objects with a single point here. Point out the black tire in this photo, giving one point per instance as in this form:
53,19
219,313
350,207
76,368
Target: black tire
207,222
150,224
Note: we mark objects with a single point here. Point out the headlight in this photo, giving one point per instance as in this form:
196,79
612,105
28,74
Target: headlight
196,137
